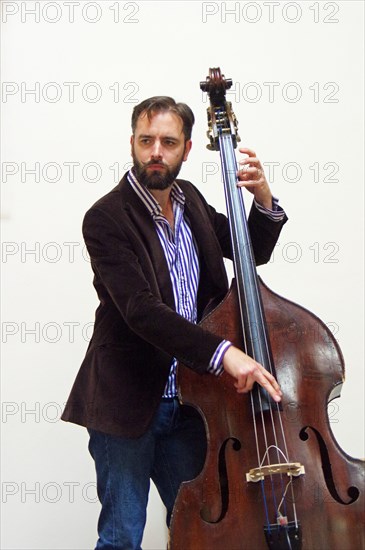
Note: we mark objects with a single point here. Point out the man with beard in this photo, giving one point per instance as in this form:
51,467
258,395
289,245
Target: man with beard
156,249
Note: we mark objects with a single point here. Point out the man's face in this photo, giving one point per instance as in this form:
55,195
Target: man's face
159,149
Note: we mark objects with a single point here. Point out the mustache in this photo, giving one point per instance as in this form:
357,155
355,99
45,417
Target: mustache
154,162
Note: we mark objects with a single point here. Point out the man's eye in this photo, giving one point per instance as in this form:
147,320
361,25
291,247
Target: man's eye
169,142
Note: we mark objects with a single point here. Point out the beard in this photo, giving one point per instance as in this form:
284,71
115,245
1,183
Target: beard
155,179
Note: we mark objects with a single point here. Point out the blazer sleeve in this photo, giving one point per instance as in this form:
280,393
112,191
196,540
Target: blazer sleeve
264,231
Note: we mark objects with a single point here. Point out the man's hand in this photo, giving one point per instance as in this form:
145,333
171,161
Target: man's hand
251,175
247,371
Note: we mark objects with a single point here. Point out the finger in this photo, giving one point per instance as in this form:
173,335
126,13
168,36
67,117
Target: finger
248,183
239,387
251,172
274,391
248,171
241,383
276,396
247,151
271,379
253,165
248,386
250,160
245,383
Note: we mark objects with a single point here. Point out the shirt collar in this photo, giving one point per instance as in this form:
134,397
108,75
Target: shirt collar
149,200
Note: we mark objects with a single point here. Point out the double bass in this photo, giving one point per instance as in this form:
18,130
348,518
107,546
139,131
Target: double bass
274,477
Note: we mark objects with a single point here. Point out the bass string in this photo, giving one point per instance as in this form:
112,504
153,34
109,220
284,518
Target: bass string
235,211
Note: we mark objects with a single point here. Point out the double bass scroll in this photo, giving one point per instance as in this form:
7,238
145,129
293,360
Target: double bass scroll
274,477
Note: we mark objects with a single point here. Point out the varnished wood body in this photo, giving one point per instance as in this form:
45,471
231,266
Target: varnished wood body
210,514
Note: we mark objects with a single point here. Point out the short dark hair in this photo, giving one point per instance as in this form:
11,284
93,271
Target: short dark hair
158,104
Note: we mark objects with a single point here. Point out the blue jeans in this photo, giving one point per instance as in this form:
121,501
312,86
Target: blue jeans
171,451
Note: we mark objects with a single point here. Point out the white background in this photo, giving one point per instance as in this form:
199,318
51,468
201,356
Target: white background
298,86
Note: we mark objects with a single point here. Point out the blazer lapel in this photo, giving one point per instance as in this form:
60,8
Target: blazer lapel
144,224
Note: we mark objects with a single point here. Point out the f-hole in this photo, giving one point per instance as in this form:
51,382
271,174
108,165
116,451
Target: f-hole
223,482
353,492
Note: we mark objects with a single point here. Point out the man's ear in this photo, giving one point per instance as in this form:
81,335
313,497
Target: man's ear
188,146
131,141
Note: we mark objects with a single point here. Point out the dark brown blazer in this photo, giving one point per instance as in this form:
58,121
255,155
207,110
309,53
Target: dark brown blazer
137,331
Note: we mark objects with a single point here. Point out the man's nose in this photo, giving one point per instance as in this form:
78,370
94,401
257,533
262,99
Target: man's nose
156,152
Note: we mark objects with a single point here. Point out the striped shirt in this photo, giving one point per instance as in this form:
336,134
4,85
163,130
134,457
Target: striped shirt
182,258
